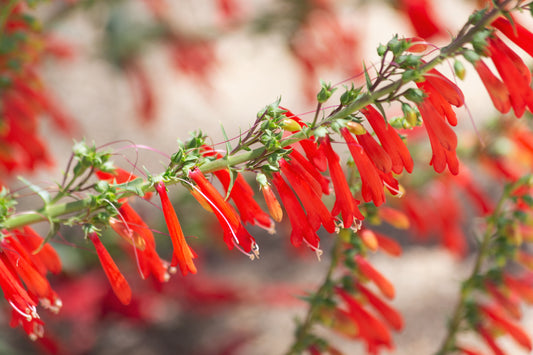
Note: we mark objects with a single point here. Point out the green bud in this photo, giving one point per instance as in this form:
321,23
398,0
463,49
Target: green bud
290,125
471,56
479,41
459,69
381,50
349,95
415,95
261,179
325,92
410,114
411,75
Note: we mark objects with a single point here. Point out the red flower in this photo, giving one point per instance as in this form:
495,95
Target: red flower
310,169
388,245
24,308
442,138
390,140
422,17
309,145
514,73
345,203
234,231
116,279
516,33
495,87
46,259
367,270
273,205
182,254
317,212
371,330
489,339
372,186
376,153
301,229
134,230
242,194
507,326
389,314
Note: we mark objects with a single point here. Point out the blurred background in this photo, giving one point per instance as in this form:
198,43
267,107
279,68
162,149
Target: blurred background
146,73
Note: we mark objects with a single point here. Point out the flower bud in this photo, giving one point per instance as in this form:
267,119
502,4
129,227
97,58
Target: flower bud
459,69
355,128
290,125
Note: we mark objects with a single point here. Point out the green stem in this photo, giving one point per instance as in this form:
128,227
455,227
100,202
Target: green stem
323,293
454,324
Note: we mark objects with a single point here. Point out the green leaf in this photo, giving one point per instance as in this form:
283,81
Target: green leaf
367,77
134,186
233,176
226,141
43,194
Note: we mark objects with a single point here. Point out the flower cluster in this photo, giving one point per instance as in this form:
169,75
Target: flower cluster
24,98
25,260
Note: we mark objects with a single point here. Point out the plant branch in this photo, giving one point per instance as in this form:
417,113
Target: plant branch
323,293
56,210
448,343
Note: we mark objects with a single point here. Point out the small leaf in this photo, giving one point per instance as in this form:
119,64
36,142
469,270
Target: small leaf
43,194
226,141
367,77
233,176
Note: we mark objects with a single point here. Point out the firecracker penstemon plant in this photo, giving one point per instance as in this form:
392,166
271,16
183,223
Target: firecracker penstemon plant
295,166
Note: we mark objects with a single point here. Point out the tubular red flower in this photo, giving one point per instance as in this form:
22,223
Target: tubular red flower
422,17
522,287
442,138
309,145
234,231
376,153
445,88
516,33
371,330
47,256
24,308
345,203
495,87
272,203
507,301
120,286
489,340
134,230
317,212
389,314
507,326
388,245
182,254
384,285
35,283
390,140
312,170
242,194
301,229
514,73
372,186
